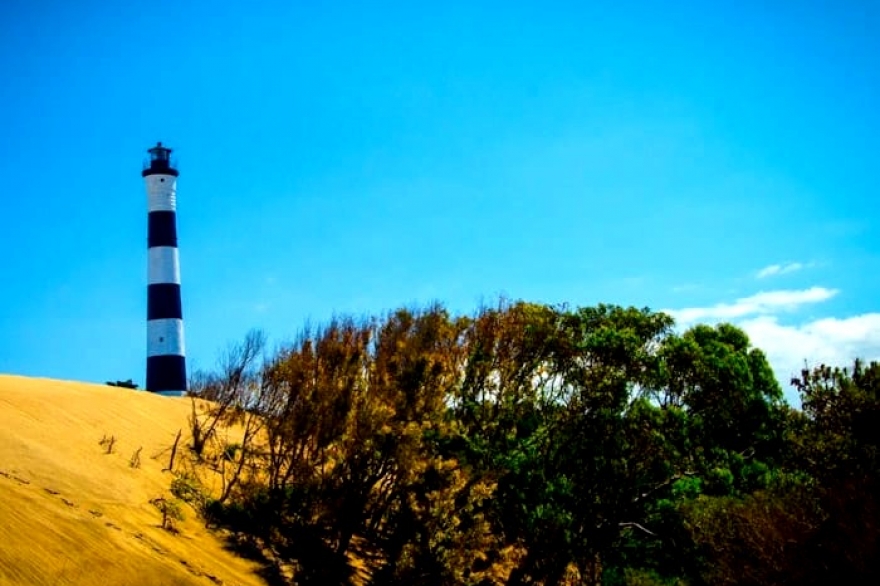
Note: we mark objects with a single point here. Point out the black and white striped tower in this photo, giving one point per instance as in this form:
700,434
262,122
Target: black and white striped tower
166,362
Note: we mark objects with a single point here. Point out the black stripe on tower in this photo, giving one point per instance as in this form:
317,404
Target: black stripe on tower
166,373
162,229
163,301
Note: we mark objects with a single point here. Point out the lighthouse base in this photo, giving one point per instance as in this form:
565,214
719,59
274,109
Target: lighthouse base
166,374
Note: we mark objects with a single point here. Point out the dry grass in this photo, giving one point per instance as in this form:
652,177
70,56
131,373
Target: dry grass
72,513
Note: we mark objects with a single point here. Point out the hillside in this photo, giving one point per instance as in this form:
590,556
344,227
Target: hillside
73,514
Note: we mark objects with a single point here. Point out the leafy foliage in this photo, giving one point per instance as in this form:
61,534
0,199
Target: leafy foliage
532,444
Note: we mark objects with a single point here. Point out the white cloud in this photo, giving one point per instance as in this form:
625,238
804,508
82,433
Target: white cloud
781,269
832,341
835,341
763,303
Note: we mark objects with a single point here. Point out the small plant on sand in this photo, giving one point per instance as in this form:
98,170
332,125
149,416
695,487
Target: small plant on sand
135,461
108,443
172,512
125,384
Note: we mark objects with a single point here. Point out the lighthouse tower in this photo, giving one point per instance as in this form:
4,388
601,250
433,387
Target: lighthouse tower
166,363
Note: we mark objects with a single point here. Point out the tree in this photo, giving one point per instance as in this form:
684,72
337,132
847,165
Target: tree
605,458
838,444
354,466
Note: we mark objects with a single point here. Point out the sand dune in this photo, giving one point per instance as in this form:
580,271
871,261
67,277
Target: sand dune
72,514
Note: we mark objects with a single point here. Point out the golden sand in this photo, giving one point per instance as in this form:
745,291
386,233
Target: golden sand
70,513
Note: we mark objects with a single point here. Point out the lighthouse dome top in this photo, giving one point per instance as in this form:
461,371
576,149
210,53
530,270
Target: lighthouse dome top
160,162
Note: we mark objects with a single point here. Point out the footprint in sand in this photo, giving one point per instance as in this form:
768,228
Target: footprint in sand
191,569
54,492
12,476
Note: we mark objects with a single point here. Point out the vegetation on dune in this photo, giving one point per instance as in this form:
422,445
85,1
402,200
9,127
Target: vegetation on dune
125,384
531,444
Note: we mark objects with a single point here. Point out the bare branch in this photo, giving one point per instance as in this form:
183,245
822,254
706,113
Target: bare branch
639,527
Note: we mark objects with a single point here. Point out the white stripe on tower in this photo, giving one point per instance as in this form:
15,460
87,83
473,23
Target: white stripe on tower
164,265
166,362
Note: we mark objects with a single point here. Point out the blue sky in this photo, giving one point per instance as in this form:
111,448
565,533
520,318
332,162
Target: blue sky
354,157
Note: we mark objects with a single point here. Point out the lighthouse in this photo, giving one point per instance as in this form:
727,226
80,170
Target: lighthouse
166,362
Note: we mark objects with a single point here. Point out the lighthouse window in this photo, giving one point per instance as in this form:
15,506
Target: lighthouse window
162,179
161,338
